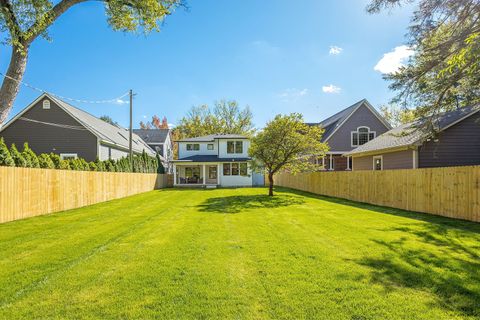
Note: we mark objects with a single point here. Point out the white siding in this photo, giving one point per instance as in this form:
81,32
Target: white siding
183,152
222,152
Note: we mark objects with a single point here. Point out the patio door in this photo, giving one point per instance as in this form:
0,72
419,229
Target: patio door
212,175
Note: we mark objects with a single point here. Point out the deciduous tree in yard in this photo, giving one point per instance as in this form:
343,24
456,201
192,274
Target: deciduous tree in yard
22,22
286,143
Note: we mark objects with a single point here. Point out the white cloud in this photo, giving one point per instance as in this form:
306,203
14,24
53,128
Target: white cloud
331,89
334,50
293,93
120,101
393,60
171,126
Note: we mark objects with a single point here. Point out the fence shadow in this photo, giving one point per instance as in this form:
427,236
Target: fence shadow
237,204
451,274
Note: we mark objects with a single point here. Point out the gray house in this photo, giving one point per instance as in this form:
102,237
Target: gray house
159,140
49,124
348,129
457,143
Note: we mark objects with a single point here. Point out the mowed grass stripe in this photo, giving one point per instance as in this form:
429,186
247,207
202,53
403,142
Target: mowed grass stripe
237,254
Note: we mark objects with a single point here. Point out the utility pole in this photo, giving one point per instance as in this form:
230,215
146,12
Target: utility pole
130,131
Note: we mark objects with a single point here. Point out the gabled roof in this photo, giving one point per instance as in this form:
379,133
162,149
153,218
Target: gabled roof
333,123
153,135
106,132
409,134
212,137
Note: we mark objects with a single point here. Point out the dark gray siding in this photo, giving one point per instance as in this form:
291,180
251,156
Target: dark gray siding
341,139
459,145
44,138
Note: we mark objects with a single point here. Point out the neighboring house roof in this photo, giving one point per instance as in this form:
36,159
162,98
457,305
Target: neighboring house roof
106,132
210,158
409,134
153,135
212,137
331,124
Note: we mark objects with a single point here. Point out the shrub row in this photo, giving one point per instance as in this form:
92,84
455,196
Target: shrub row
28,159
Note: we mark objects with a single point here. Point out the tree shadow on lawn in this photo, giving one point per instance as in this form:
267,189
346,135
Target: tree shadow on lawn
450,270
237,204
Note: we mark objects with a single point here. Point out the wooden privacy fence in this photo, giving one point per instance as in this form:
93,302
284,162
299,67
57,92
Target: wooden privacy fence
27,192
451,192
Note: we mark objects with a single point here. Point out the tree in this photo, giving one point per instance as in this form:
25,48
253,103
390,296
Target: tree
225,118
45,161
443,72
396,115
30,157
5,157
17,156
155,123
26,20
108,119
286,143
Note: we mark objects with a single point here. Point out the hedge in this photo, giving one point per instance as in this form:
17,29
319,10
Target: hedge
28,159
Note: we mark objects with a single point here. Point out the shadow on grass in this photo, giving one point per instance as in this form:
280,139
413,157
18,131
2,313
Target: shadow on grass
440,256
237,204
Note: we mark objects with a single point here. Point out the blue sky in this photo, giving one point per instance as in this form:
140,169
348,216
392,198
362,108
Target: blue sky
273,55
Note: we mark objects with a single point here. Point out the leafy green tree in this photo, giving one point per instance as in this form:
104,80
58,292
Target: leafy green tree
45,161
286,144
30,156
64,165
93,166
55,159
396,115
23,21
225,118
443,72
109,119
100,165
5,157
17,156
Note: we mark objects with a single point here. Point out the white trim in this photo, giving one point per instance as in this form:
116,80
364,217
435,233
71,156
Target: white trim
68,155
460,120
331,163
46,104
415,159
348,163
358,136
381,162
28,107
371,108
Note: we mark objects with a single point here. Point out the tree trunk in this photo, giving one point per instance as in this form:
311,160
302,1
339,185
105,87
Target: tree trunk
10,88
270,186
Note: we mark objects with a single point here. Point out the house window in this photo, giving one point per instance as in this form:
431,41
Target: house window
243,169
210,146
46,104
226,169
235,169
68,156
193,147
362,136
234,146
192,172
378,163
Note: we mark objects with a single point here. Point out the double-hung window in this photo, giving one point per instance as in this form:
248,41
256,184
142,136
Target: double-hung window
193,146
235,169
234,146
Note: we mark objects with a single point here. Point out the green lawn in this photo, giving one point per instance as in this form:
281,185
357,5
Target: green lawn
235,253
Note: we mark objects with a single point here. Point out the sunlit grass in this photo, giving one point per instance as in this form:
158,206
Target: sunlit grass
236,253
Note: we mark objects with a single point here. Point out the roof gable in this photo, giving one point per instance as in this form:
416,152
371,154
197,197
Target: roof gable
408,135
104,131
153,135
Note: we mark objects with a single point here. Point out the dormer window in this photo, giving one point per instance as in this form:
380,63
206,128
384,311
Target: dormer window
46,104
362,136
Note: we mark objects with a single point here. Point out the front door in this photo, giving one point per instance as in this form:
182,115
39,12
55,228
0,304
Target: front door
212,175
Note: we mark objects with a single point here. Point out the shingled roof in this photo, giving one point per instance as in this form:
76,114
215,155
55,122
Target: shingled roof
106,132
411,133
212,137
152,135
332,123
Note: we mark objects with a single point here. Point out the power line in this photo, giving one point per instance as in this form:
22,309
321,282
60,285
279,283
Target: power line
65,126
114,100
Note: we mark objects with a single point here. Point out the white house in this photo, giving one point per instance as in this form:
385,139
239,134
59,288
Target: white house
213,160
